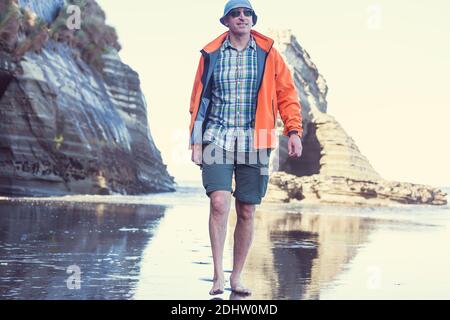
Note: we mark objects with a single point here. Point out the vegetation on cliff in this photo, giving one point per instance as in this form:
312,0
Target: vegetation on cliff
21,31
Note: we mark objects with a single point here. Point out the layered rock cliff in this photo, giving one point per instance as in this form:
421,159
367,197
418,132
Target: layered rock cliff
331,169
73,117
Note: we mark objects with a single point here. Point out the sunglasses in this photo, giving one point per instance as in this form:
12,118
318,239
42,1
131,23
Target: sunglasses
237,13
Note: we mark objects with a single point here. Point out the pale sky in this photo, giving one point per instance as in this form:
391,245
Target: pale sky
386,64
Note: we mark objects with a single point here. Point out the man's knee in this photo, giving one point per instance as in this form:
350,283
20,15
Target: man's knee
220,202
246,210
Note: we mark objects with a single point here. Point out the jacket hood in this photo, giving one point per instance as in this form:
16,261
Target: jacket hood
261,40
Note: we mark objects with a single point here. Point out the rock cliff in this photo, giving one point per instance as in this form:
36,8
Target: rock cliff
73,117
332,168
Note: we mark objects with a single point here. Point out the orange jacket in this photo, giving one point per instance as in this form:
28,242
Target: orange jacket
276,93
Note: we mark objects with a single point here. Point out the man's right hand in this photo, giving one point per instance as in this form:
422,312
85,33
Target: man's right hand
197,154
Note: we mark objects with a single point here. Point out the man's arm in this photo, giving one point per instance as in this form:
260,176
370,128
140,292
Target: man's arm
196,147
288,101
197,81
289,107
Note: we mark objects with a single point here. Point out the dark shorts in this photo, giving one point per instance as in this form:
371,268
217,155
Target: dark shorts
250,169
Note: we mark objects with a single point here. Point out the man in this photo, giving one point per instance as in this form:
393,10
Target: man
240,84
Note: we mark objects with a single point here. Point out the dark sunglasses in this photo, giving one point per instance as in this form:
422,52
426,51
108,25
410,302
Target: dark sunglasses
237,13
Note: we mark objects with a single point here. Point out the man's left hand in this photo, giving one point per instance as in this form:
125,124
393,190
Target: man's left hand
295,147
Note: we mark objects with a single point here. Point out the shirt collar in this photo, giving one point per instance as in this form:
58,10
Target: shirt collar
227,44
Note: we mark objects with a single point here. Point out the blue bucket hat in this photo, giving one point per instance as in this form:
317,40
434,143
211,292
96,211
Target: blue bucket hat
233,4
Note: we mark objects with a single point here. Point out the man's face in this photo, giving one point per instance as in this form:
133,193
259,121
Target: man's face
240,20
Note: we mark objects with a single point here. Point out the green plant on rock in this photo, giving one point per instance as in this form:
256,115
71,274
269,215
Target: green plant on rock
93,39
21,30
35,30
10,21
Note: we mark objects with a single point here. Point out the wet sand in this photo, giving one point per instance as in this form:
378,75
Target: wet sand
157,247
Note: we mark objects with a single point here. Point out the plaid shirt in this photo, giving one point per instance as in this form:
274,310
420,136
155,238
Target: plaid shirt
231,121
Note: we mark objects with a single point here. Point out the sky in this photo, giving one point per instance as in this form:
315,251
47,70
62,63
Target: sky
386,64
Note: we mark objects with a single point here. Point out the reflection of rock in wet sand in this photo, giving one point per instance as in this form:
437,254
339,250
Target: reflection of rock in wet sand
294,255
338,239
39,242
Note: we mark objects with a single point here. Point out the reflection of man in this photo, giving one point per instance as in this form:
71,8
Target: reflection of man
241,83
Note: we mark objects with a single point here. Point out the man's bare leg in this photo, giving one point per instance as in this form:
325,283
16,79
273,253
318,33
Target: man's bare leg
243,236
218,218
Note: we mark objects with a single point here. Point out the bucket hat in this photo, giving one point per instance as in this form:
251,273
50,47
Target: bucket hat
233,4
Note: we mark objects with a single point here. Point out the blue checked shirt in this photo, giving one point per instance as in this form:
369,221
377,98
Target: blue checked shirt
231,121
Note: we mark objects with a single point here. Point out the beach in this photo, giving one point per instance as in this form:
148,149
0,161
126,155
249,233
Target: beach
157,247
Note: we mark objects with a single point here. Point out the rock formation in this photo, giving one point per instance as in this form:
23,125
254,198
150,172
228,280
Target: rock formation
73,117
331,169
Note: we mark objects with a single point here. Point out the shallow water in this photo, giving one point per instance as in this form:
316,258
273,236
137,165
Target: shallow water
157,247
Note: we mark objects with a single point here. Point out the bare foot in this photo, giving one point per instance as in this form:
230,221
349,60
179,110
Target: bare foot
238,287
217,288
